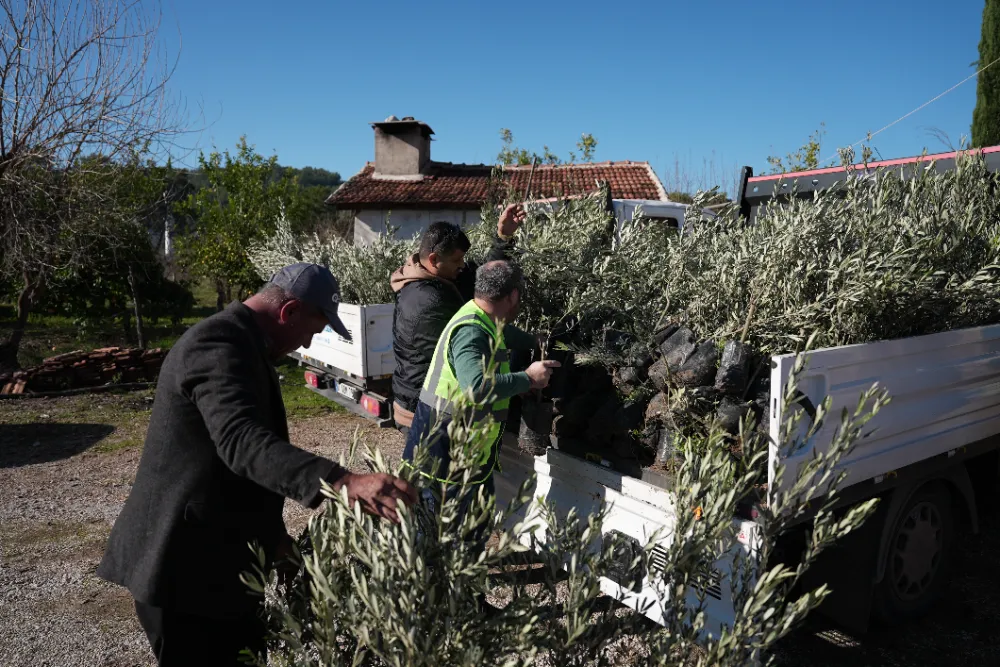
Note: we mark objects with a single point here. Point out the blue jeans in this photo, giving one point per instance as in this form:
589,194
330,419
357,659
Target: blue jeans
438,445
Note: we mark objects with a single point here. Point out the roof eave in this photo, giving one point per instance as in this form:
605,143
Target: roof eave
388,205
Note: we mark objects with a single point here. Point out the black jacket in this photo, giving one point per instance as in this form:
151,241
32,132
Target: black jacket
214,474
424,305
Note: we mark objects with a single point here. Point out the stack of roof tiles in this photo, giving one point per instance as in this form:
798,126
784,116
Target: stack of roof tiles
449,185
80,369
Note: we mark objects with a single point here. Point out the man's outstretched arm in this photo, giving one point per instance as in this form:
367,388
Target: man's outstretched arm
218,379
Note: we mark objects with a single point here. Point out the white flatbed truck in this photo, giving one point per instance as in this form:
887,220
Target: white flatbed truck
935,446
356,373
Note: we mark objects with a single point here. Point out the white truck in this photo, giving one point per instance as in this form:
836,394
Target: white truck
936,443
355,373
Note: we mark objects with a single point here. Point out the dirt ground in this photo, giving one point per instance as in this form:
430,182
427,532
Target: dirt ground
66,466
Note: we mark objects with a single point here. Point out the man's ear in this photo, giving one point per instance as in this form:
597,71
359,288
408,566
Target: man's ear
289,310
433,259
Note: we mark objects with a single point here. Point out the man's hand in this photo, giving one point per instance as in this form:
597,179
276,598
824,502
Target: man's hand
377,493
511,219
540,372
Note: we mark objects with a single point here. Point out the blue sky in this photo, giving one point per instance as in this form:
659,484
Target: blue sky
715,83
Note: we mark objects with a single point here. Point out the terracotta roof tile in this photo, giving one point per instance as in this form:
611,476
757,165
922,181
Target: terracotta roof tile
448,185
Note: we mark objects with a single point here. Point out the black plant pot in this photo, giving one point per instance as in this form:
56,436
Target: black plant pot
558,383
536,425
513,424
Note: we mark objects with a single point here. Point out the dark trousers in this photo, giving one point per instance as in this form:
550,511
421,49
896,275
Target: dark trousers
187,640
423,431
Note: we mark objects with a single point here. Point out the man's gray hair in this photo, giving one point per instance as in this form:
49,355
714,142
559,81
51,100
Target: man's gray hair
497,280
273,294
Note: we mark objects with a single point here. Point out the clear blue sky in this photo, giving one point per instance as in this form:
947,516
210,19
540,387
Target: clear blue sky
722,82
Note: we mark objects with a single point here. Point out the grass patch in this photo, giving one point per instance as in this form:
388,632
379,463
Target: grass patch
49,429
53,532
22,541
108,446
118,409
300,401
204,294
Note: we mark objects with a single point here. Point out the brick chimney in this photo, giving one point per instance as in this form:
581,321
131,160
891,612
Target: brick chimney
402,148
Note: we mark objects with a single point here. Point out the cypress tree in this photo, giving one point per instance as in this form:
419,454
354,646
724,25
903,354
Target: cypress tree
986,115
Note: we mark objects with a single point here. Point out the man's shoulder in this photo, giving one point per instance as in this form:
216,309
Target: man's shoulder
426,294
470,333
225,324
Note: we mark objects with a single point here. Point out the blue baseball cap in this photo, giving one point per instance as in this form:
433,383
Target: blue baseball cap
315,285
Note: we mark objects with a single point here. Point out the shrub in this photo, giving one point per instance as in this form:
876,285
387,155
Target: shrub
363,271
95,299
880,258
373,593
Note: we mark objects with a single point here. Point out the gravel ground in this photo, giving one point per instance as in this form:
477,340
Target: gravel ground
64,476
66,466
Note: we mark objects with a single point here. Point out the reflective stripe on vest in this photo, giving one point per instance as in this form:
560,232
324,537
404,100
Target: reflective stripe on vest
441,386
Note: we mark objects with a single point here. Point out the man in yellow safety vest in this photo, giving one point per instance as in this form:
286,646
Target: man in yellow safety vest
458,366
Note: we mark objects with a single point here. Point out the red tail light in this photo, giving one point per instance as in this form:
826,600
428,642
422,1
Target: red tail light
371,405
312,379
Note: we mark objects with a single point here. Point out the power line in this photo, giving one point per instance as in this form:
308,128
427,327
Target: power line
905,116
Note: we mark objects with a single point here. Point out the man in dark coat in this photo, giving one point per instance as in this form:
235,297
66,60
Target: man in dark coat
430,288
216,469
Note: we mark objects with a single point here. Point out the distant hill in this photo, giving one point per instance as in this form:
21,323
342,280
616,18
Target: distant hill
307,177
315,176
308,214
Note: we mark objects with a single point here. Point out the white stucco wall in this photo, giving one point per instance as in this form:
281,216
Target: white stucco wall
370,223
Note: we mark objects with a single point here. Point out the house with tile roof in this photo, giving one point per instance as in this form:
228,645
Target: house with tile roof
406,189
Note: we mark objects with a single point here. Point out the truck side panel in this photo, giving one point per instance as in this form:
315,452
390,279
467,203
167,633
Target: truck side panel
367,355
380,361
944,393
329,350
637,511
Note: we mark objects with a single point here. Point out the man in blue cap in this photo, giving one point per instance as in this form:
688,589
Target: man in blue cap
216,469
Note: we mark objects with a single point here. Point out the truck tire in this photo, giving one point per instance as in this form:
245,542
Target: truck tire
918,558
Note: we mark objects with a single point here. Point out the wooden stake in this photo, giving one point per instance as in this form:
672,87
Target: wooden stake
750,312
527,192
531,175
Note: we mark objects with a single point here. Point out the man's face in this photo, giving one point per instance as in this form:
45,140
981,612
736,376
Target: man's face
512,306
447,266
299,323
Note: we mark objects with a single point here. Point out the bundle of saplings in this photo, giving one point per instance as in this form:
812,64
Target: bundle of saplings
363,271
678,329
666,334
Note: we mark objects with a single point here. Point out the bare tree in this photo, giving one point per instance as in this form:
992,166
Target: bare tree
82,88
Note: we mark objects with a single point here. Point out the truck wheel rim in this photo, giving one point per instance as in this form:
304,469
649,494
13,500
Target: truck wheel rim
917,550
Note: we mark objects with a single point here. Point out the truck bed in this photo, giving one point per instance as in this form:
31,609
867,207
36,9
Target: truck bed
945,395
637,510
